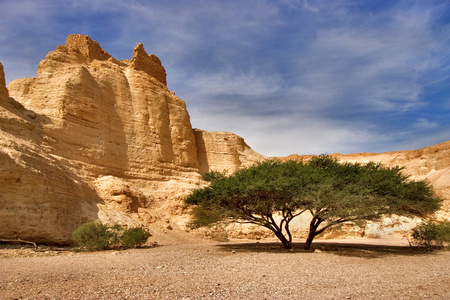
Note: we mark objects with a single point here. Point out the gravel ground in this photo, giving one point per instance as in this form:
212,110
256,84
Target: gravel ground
336,270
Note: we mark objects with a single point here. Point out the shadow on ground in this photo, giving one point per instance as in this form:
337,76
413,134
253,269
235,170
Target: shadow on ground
337,248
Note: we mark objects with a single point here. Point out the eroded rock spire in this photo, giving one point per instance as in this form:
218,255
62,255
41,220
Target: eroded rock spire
150,64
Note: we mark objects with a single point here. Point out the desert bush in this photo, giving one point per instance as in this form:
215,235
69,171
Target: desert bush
214,175
431,235
94,236
133,237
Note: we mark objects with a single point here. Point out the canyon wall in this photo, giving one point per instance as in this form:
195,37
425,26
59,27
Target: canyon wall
93,137
40,199
223,151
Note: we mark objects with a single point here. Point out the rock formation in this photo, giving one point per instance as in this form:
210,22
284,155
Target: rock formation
223,151
93,137
40,199
3,90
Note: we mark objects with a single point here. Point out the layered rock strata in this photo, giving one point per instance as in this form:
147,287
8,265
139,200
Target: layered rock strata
40,199
223,151
93,137
115,119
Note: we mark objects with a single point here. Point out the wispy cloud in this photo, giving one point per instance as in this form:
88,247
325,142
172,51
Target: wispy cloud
303,76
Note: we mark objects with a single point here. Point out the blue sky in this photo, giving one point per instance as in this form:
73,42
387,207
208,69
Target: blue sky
304,77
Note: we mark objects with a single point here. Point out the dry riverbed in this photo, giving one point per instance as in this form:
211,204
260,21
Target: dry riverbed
361,269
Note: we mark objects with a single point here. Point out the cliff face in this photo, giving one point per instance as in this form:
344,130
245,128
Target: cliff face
3,90
223,151
93,137
114,116
40,199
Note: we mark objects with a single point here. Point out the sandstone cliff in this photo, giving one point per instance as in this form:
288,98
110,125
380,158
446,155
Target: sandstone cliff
40,199
94,137
3,90
116,119
91,137
223,151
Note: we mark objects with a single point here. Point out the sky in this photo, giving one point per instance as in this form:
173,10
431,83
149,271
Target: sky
289,76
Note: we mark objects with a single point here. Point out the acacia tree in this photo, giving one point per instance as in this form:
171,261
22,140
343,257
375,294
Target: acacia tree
343,192
333,192
261,195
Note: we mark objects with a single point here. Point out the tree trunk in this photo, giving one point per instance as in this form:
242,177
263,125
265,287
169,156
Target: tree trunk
286,243
315,222
311,236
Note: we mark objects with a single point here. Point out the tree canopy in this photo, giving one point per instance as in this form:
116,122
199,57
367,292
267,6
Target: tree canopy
253,195
342,192
272,193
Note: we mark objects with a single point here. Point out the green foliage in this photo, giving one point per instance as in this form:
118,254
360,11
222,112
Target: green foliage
133,237
332,192
342,192
252,195
431,235
95,236
213,175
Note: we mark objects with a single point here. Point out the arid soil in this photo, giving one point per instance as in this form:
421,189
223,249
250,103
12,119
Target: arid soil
362,269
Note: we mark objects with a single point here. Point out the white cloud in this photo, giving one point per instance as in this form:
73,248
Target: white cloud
379,66
277,136
298,76
423,124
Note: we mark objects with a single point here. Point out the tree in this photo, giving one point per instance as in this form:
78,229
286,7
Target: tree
261,195
272,193
344,192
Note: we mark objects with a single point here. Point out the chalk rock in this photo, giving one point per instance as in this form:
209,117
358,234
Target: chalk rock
111,117
40,200
91,137
3,90
220,151
150,64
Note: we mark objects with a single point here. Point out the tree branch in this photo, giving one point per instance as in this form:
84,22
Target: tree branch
19,241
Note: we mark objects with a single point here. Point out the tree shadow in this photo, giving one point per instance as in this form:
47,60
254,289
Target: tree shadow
355,249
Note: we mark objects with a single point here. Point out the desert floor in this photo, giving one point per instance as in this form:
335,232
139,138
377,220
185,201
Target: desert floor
337,269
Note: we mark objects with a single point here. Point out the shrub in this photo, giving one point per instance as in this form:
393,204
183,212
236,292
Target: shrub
97,236
134,237
214,175
431,235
